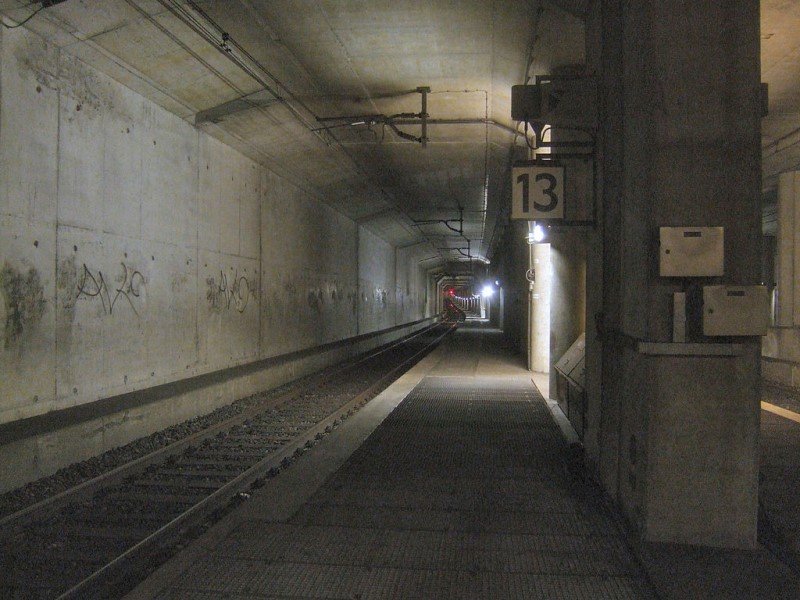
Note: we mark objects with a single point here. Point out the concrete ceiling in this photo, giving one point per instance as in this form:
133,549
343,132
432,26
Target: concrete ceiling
311,59
330,58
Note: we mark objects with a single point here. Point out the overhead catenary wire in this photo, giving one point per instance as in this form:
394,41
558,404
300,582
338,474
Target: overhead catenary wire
209,30
212,32
185,47
215,34
198,20
26,19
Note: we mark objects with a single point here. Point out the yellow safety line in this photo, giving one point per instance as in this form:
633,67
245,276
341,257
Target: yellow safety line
786,414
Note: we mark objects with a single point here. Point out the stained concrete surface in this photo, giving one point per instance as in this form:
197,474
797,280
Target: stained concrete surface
678,438
431,503
770,571
137,253
460,491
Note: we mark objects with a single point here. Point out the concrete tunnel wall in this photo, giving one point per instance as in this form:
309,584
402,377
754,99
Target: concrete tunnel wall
138,251
411,287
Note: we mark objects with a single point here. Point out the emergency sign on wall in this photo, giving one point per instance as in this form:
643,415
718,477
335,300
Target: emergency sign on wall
537,192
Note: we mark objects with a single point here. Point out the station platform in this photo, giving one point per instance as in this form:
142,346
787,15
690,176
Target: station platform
453,483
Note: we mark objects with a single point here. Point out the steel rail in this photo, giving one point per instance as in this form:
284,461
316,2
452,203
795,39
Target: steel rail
88,488
244,481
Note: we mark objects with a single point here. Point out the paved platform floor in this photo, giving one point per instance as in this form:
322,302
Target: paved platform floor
780,466
454,483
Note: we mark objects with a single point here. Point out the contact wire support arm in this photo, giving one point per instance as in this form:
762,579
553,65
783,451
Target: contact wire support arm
446,222
376,119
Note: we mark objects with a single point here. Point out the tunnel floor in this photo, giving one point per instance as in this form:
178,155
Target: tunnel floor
462,491
780,466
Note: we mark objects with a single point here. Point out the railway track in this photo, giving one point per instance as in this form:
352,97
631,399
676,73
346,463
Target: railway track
101,537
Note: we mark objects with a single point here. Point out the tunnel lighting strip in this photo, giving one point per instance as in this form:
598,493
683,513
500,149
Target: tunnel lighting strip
213,33
781,412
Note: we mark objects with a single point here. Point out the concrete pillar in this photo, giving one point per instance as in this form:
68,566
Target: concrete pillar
595,256
567,293
679,145
514,254
540,309
788,304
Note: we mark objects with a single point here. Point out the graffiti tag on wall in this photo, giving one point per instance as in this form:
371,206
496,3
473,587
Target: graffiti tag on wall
226,294
127,285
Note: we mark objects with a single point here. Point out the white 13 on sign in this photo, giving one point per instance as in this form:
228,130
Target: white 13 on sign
537,192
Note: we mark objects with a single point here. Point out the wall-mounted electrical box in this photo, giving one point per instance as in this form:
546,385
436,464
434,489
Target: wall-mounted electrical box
692,251
735,310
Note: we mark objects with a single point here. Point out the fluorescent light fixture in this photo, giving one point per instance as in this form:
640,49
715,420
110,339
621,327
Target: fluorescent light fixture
535,233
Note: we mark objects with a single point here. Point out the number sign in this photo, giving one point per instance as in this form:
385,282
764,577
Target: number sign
537,192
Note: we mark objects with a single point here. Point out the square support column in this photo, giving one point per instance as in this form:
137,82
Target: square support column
788,309
679,146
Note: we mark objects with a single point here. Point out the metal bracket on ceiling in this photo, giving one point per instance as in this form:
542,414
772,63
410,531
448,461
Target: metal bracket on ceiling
461,249
215,114
446,222
423,114
369,120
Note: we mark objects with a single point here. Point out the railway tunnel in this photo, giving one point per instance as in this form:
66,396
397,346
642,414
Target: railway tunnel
399,299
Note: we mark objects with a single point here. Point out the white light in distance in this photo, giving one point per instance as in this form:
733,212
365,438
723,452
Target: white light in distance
487,291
